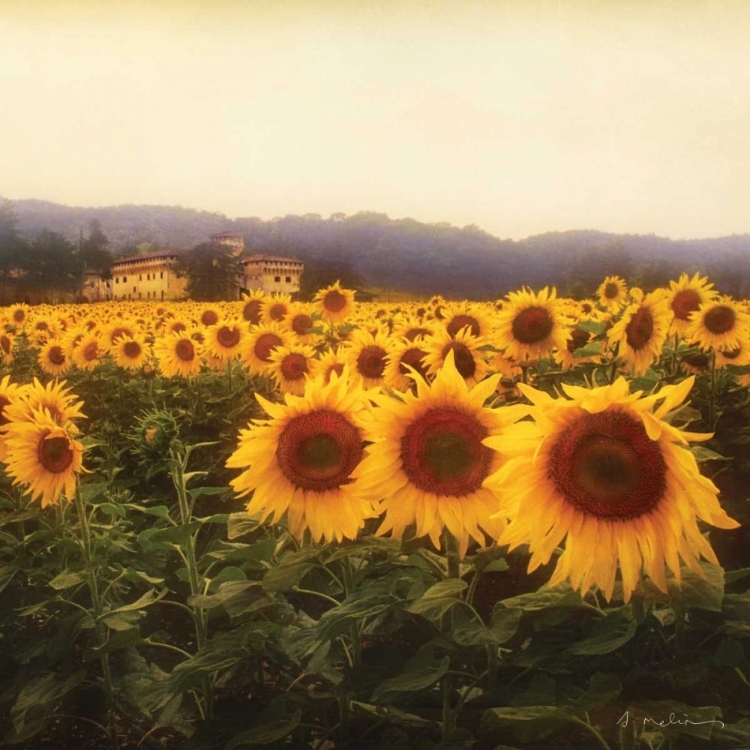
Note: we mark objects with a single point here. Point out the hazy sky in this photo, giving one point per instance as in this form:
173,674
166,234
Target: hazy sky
522,117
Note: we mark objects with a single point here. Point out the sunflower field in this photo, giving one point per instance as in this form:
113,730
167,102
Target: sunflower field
330,525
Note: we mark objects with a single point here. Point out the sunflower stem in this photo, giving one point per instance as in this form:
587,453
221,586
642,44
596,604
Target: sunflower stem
712,398
96,603
353,628
450,545
195,579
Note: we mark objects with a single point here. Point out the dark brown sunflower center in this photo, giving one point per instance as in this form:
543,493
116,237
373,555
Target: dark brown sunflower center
294,366
277,312
334,301
719,319
54,454
91,351
639,330
265,344
439,312
463,359
19,316
301,324
251,311
442,453
577,340
228,337
700,361
56,355
371,362
209,318
42,325
412,358
460,322
586,308
5,344
684,303
178,327
611,290
185,350
132,349
319,451
532,325
605,465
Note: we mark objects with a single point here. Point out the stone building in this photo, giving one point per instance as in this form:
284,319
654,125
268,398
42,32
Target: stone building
235,241
148,276
272,273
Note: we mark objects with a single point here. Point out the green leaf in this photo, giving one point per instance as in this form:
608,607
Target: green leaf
112,510
607,641
204,491
421,671
730,576
528,723
559,596
590,350
149,598
167,537
270,729
42,695
704,454
504,622
160,511
66,580
240,524
597,327
602,689
438,599
285,577
226,591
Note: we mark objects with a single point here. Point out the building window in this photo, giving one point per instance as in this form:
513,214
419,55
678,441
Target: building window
124,279
277,278
161,274
288,279
134,290
140,277
139,295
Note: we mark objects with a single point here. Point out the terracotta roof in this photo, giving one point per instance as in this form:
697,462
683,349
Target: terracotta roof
263,258
154,254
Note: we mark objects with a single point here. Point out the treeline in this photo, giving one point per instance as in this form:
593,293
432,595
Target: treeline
371,250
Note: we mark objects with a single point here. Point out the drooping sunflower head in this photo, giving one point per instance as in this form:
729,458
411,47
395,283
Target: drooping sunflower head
612,293
61,404
530,326
301,461
607,473
335,303
7,344
43,457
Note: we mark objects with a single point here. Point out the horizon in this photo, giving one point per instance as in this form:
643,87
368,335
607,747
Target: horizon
522,119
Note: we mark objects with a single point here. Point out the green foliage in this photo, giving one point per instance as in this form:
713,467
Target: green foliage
213,272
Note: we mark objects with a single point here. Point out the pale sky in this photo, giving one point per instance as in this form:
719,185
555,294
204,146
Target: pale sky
521,117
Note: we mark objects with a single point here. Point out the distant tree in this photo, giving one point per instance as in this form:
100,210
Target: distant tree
51,262
12,245
95,253
321,273
213,272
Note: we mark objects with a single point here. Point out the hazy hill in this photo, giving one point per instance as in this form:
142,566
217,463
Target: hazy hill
407,255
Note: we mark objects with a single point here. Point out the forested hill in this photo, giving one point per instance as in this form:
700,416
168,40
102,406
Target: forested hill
406,255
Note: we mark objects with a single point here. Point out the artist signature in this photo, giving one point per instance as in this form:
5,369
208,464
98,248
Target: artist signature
671,721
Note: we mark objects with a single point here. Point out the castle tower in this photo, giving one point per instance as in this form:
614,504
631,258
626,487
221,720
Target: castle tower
235,241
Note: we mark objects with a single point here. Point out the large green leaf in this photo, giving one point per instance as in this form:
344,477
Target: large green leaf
271,728
41,695
438,599
422,671
67,579
609,634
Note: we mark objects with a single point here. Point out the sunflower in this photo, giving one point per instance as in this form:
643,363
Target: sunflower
224,340
467,316
259,344
18,316
606,470
209,316
720,324
87,353
117,330
8,394
290,366
463,347
58,400
7,342
42,328
329,363
130,352
399,363
252,309
685,296
178,354
300,462
43,456
612,293
52,358
642,331
299,322
335,303
276,308
530,326
366,354
410,328
577,339
427,463
737,357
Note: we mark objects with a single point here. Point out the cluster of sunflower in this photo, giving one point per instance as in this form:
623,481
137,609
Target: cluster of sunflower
385,414
598,469
38,442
